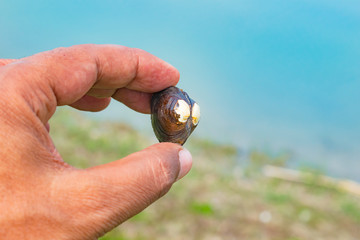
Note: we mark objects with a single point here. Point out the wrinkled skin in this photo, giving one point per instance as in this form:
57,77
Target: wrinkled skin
42,197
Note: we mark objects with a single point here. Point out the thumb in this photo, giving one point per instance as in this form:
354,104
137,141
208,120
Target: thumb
107,195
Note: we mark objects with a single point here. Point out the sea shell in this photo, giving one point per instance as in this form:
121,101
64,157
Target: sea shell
174,115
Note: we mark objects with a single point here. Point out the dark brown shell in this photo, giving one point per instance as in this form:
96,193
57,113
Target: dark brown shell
164,119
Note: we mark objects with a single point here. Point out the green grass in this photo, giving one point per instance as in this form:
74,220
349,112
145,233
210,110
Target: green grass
278,198
218,199
352,209
201,208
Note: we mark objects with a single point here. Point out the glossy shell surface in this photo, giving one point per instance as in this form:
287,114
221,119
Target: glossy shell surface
174,115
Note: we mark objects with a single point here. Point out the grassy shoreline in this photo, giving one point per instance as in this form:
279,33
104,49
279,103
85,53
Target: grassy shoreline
218,199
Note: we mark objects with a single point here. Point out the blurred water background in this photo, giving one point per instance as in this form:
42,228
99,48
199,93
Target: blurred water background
272,75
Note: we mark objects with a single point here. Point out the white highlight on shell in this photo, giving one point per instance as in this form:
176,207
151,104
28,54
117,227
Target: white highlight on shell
182,109
195,114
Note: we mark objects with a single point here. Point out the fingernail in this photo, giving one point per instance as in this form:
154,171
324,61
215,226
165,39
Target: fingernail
185,159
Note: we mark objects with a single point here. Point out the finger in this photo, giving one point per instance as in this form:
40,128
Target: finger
109,194
67,74
6,61
94,100
90,103
101,93
139,101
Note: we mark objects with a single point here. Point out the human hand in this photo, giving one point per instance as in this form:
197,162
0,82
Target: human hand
42,197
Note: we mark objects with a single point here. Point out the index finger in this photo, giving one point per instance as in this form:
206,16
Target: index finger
69,73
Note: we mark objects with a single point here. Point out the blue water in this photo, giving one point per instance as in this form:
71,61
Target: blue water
278,75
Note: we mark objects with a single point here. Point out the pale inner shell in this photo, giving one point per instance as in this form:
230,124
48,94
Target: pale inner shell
183,110
195,114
